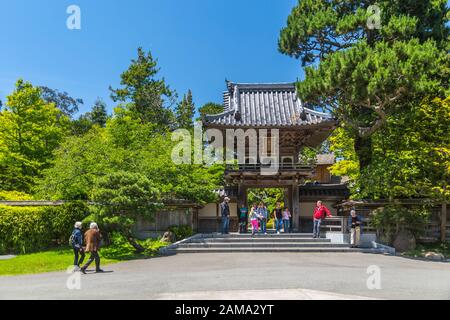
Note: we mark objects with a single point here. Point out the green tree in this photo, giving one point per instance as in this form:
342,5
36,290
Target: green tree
62,100
123,198
149,98
30,129
97,116
130,146
364,74
185,112
210,108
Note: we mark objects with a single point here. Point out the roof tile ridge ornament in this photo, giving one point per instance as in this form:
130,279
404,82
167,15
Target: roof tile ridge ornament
236,101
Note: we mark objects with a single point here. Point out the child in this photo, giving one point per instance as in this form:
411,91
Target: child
254,217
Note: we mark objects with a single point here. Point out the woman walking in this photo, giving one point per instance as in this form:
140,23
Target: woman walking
76,240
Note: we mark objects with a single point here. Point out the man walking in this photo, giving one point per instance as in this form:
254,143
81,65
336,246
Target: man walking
225,211
92,238
320,213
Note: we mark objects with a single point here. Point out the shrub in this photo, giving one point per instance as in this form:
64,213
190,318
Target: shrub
14,196
181,232
389,220
29,229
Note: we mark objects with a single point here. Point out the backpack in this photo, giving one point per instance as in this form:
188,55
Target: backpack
72,239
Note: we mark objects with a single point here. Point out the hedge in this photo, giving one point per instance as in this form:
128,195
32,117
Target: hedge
30,229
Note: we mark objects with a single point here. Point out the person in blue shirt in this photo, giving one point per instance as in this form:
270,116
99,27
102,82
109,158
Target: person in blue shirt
263,213
355,226
77,245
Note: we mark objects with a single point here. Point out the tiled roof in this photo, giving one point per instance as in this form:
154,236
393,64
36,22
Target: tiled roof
261,105
326,158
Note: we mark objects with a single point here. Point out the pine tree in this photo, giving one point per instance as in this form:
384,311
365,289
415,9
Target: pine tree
185,112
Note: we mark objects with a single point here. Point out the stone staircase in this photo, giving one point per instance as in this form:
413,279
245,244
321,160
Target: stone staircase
272,242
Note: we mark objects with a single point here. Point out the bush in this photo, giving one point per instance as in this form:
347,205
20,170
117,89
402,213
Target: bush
29,229
121,249
181,232
390,220
14,196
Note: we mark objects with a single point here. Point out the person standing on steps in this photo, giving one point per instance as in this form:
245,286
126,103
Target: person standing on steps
93,239
320,213
286,220
243,219
254,217
263,214
278,215
354,224
225,211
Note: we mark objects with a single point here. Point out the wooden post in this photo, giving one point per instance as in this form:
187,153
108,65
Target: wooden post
296,207
444,222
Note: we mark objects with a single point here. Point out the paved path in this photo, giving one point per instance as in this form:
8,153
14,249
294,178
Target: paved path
244,276
7,257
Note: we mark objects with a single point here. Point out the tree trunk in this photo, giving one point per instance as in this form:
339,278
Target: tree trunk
363,149
136,246
444,222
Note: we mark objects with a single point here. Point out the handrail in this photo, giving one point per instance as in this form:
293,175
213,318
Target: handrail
258,166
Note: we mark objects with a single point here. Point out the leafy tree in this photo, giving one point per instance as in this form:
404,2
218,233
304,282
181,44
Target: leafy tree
365,74
62,100
185,112
123,198
97,116
149,98
30,129
126,145
211,108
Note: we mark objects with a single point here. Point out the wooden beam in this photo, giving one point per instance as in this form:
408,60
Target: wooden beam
444,222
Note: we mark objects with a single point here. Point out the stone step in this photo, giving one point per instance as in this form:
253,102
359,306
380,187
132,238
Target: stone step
249,235
274,244
271,249
260,239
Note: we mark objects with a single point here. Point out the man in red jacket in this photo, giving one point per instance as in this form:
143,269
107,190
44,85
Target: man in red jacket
320,213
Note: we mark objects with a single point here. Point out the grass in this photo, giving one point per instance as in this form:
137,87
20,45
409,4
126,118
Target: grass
422,249
60,259
52,260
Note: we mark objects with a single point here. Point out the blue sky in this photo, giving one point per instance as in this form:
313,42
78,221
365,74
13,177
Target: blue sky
198,44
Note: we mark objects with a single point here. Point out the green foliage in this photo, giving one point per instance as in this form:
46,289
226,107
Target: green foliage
62,100
14,196
149,99
120,248
365,75
270,197
388,221
123,197
181,232
30,129
28,229
210,108
97,116
185,112
422,249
